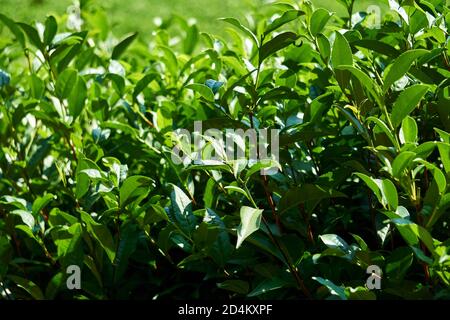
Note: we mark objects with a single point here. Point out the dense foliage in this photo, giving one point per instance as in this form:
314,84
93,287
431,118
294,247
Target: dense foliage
87,177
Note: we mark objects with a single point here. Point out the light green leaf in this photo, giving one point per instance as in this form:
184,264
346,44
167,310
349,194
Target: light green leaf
444,150
13,27
401,162
286,17
242,28
389,193
409,131
445,136
191,40
250,222
438,175
262,166
341,55
203,90
237,189
26,217
318,20
324,46
362,244
143,83
401,66
83,179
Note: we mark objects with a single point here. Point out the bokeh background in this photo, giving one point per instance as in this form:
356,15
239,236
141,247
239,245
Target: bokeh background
137,15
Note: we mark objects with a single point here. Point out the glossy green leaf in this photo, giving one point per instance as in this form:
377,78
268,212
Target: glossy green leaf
409,131
267,286
335,242
277,43
334,289
134,189
29,286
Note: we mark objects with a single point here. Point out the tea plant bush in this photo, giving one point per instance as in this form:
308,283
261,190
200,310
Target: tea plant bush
87,176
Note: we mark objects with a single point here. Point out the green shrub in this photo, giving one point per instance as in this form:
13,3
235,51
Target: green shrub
87,176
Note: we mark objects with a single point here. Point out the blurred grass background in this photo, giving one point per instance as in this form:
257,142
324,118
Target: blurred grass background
137,15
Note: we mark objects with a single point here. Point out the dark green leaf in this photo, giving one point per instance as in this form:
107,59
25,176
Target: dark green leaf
277,43
51,27
120,48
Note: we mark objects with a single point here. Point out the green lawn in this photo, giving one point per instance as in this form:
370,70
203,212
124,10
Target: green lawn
137,15
131,15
